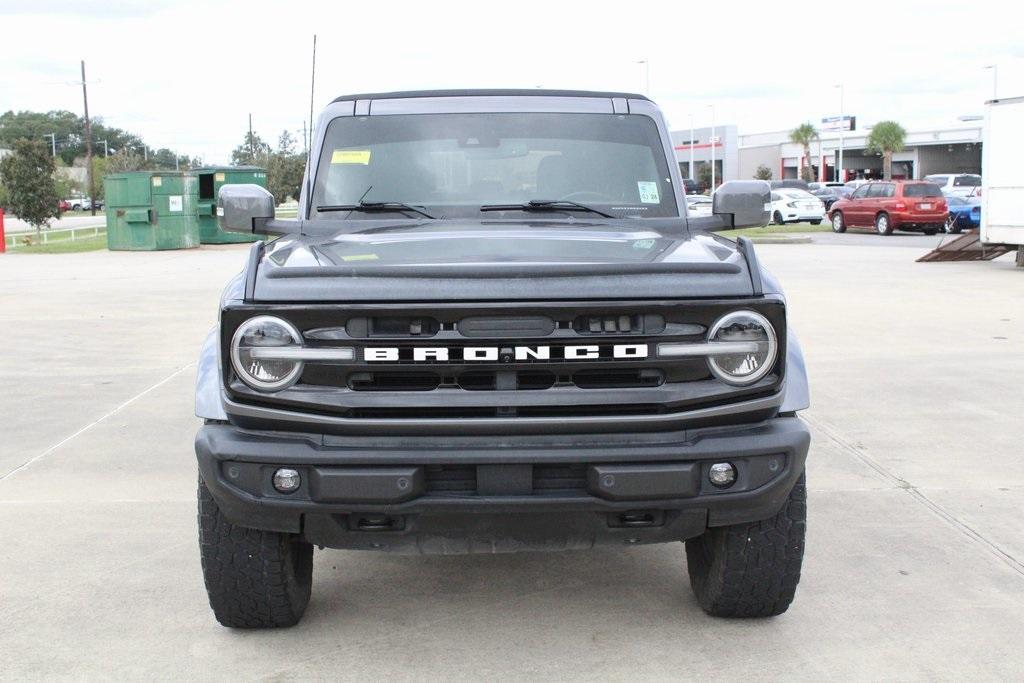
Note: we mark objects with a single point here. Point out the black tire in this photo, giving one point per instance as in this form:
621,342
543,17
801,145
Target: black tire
838,222
883,226
930,231
952,226
777,219
751,570
818,222
254,579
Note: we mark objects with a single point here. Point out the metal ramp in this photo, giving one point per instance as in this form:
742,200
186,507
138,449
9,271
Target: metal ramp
967,247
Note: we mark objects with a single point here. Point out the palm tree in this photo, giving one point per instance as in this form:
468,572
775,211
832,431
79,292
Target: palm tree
885,138
802,135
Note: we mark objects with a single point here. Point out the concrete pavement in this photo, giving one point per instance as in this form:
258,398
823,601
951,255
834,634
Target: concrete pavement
915,554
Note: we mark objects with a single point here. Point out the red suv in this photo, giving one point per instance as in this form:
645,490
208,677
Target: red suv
890,205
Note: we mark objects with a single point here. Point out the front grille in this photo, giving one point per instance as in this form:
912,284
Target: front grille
487,374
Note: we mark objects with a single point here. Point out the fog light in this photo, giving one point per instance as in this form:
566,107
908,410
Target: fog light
286,480
722,474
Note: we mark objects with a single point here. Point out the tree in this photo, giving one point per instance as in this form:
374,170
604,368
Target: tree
125,160
252,152
885,138
704,175
28,176
285,168
803,135
763,173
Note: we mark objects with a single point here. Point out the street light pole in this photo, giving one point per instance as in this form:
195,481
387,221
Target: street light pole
712,146
842,129
647,75
692,141
995,80
53,143
105,150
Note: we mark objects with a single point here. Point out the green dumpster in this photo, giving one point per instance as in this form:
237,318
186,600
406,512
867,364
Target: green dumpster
209,182
151,210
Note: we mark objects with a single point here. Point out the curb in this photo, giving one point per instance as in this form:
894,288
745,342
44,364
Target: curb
781,239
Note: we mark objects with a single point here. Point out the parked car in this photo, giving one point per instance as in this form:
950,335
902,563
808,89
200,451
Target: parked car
795,183
892,205
691,186
698,205
829,195
964,214
955,184
63,205
794,205
77,203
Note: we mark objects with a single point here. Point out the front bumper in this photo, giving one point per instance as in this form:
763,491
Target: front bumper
501,493
801,215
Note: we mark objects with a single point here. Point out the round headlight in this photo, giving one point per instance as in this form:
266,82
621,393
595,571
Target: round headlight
252,353
756,344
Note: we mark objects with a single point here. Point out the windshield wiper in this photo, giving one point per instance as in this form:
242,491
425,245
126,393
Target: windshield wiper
546,205
375,206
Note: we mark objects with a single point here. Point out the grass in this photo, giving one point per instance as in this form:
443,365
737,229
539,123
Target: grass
64,246
777,230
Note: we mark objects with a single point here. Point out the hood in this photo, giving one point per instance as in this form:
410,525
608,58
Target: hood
495,260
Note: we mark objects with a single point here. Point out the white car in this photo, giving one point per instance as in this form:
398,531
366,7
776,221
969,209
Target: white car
790,205
698,205
956,184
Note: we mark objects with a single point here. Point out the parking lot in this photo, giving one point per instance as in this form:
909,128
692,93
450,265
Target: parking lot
915,552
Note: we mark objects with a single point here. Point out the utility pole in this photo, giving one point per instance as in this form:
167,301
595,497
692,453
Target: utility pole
53,143
105,148
252,154
88,144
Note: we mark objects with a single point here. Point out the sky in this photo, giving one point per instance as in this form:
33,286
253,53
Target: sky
187,74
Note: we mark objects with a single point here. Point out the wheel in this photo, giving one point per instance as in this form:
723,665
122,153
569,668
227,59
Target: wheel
751,570
952,225
777,218
930,231
838,224
882,224
817,222
254,579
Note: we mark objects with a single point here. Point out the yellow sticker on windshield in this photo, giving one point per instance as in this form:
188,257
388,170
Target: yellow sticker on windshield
351,156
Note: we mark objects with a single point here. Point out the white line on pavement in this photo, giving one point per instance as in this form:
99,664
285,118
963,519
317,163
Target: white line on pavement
95,422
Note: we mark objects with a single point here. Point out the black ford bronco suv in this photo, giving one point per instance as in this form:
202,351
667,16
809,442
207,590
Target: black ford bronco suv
494,328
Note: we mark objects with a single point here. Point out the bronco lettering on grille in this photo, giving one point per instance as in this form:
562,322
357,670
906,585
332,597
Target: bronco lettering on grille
493,354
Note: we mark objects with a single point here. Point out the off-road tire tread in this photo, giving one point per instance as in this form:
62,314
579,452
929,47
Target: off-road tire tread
751,570
254,579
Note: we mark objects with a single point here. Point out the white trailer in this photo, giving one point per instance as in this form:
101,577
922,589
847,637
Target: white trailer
1002,171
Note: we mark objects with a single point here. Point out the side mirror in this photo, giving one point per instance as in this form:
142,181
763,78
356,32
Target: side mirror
244,208
250,209
742,204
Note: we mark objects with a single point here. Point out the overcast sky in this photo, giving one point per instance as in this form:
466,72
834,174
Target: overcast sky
186,74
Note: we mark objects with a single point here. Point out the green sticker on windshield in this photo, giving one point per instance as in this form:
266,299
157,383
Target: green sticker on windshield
648,192
643,244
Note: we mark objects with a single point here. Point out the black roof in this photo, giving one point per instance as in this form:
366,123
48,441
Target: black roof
523,92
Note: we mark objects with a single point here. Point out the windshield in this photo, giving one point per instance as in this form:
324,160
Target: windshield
921,190
967,181
452,164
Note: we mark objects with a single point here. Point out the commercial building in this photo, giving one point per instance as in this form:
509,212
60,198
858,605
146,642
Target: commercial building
954,149
723,145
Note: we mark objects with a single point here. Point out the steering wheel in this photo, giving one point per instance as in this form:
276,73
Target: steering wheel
582,195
